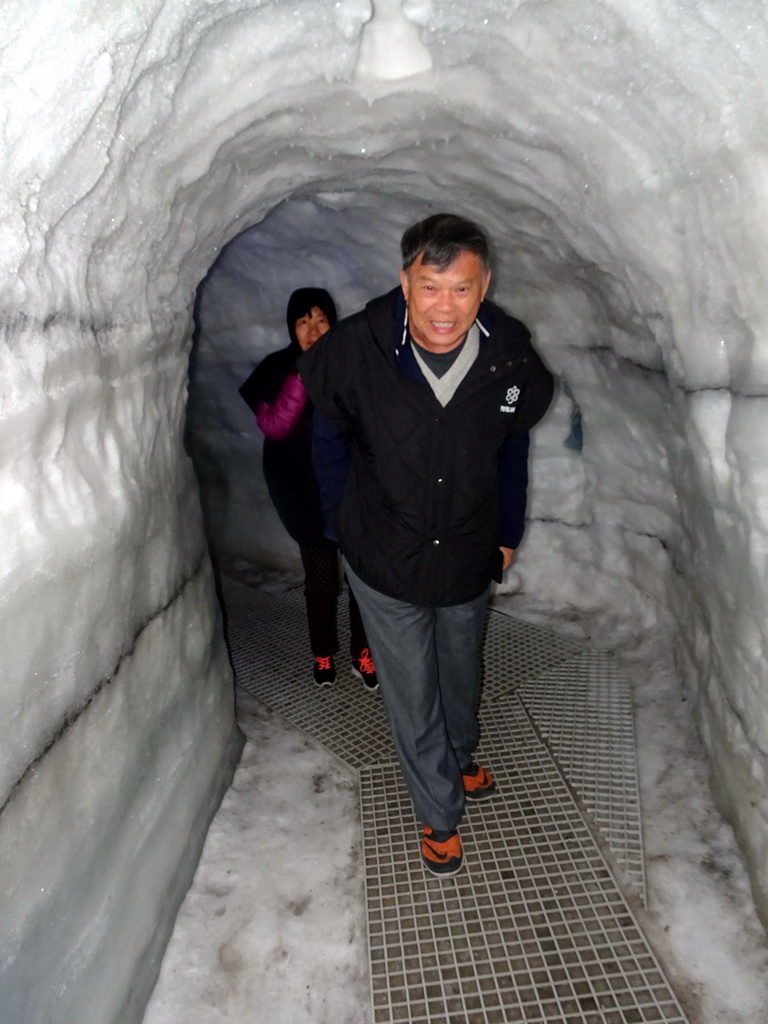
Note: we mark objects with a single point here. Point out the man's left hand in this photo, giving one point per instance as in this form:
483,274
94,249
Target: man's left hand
507,554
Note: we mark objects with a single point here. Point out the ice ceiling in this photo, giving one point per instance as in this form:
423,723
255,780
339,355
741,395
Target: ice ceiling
617,152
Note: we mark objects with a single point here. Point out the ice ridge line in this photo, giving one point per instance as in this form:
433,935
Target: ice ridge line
75,712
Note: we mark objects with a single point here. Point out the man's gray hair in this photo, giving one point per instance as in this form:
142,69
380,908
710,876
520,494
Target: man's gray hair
441,238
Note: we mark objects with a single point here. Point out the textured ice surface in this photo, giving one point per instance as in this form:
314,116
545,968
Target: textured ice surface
616,152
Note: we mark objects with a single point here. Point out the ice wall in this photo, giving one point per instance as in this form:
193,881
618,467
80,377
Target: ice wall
117,736
615,150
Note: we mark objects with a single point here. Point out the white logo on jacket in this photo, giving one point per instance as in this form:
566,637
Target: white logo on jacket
511,397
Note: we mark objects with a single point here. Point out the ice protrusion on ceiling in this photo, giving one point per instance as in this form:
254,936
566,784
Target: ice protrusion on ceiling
390,47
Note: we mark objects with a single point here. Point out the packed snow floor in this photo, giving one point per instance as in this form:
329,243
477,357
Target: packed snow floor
281,922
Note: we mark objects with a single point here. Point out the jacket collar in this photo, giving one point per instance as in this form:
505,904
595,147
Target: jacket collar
387,315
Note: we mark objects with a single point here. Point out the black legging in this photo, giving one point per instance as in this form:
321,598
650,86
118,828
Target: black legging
321,591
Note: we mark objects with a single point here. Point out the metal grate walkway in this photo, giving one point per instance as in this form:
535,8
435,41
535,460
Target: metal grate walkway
535,928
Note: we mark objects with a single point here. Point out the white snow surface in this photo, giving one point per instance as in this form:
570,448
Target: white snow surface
273,928
616,152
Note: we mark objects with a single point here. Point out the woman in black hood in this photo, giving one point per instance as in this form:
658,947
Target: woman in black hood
274,391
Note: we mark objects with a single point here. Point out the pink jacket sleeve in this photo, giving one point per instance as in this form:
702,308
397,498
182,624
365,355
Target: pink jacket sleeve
279,419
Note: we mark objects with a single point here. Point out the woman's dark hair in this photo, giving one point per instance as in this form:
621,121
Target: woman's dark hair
441,238
302,302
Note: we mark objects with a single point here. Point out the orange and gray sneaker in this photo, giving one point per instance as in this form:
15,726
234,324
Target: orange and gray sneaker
478,783
441,852
365,670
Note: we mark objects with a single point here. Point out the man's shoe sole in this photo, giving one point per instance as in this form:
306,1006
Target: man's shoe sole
480,794
441,874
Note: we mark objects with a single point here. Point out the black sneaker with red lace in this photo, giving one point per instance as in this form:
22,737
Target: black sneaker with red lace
324,671
365,670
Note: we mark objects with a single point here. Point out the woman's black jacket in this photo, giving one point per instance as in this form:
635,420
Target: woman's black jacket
288,471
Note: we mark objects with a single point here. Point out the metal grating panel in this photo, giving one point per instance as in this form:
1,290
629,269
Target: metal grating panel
583,709
578,699
514,652
271,658
533,930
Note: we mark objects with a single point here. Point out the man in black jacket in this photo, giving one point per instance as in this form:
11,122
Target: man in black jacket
426,397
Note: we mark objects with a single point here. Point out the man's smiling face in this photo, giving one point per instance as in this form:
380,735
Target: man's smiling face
443,301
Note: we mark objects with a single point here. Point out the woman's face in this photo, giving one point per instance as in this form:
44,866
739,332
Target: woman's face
311,327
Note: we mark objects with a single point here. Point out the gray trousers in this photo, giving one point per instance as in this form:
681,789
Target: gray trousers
428,667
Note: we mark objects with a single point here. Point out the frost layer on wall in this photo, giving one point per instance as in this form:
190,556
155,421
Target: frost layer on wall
117,735
616,152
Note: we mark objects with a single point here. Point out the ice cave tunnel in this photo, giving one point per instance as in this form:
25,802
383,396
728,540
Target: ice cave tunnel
616,152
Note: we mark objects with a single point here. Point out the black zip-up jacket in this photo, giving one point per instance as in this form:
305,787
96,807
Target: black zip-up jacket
420,517
287,464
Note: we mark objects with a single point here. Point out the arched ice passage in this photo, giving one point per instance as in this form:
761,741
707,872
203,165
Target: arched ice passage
616,152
